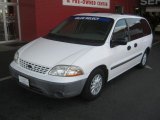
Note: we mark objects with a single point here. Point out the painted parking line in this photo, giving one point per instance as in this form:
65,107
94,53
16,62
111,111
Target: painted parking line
5,78
148,67
156,43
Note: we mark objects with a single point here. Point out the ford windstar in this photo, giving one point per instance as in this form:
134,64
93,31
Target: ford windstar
82,54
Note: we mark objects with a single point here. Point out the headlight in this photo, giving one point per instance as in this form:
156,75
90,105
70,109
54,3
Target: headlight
16,57
66,71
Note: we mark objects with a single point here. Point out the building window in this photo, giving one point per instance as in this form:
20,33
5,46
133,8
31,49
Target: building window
119,9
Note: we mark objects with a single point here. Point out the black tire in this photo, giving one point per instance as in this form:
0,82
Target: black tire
88,93
143,62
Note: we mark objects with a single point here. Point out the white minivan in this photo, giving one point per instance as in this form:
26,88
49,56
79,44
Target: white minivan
83,53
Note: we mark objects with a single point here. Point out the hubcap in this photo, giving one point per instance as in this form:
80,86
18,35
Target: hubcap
144,60
96,84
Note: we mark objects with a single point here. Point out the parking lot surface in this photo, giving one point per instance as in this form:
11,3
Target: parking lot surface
134,95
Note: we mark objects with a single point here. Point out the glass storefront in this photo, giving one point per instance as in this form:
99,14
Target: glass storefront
8,20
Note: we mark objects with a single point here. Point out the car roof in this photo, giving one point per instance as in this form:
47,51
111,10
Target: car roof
109,15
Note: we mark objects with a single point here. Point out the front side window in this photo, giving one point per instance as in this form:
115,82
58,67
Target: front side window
120,32
86,30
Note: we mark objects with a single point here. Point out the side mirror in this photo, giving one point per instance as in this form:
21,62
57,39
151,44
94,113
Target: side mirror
119,41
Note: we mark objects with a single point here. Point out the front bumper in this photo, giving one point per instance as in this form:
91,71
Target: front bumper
51,89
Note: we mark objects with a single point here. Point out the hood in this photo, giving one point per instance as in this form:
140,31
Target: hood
50,53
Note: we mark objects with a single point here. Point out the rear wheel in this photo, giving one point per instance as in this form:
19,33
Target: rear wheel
94,84
144,60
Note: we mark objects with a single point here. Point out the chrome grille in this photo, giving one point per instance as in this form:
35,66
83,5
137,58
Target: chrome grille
33,67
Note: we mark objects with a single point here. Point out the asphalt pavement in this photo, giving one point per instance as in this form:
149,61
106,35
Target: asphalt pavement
134,95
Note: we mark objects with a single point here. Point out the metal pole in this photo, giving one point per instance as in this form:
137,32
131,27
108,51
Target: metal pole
5,23
19,21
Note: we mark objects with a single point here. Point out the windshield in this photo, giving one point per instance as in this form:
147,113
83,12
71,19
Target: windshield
86,30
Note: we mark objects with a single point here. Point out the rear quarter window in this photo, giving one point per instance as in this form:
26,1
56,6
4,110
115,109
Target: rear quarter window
146,27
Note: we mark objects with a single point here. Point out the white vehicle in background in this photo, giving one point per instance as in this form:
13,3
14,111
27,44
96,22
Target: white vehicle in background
83,53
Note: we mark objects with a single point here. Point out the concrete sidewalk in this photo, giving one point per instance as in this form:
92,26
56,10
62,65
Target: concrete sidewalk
11,46
7,51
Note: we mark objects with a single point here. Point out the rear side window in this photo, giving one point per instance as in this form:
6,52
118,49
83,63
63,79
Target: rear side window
146,28
135,28
138,28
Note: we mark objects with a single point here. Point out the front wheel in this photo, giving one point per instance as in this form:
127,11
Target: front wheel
94,84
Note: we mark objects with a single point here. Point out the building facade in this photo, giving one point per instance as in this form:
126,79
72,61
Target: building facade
35,18
150,9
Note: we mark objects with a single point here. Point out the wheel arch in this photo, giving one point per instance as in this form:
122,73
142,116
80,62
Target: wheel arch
86,93
104,68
